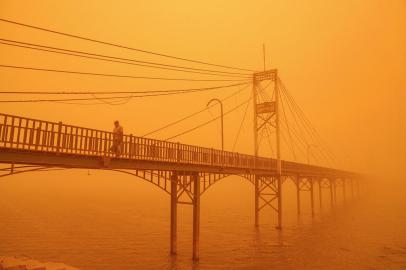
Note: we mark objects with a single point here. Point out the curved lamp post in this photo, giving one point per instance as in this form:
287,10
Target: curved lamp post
222,119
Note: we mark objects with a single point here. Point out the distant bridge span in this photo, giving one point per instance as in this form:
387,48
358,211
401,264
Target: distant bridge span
183,171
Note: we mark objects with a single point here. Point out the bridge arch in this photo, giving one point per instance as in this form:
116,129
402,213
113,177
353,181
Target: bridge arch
148,176
246,177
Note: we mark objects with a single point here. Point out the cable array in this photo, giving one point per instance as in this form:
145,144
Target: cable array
134,94
126,62
303,130
115,75
298,133
241,125
207,122
193,114
118,45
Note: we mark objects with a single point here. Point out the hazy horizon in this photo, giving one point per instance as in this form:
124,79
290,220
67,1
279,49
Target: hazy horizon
344,62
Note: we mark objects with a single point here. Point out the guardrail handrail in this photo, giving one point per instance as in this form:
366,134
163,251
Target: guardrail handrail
32,134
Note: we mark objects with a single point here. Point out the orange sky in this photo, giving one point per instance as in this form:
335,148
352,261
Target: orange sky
344,62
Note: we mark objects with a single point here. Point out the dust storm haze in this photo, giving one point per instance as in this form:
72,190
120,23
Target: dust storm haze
344,62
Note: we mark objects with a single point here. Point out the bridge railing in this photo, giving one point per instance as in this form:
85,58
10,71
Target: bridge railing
37,135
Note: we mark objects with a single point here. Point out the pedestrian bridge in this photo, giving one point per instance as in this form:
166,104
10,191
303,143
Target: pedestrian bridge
183,171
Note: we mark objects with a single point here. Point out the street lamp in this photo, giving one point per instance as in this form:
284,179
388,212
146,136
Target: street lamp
309,146
222,120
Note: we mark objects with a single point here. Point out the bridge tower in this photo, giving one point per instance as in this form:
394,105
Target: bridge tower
268,188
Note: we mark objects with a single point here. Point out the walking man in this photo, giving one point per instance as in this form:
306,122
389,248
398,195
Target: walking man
118,135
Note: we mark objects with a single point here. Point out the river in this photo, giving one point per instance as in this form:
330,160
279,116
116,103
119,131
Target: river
101,220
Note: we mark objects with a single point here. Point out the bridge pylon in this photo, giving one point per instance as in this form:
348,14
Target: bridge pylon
185,188
265,94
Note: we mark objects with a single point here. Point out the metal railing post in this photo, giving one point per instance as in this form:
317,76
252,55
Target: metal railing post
58,141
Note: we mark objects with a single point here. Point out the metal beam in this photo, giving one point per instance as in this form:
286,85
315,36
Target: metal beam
298,194
312,195
256,197
174,202
196,216
320,193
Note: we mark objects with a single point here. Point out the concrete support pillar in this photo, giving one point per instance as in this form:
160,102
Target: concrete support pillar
298,194
279,202
331,192
344,191
312,195
335,191
196,216
320,194
352,188
256,198
174,204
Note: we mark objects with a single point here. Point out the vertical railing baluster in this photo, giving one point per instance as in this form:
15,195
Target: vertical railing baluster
63,138
130,151
90,146
1,128
58,138
12,132
5,131
138,148
69,139
81,141
31,125
43,137
109,145
37,133
3,135
75,147
25,132
18,132
96,143
101,146
101,143
105,144
86,142
51,137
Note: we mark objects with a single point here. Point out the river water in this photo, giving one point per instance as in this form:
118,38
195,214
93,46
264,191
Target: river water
102,220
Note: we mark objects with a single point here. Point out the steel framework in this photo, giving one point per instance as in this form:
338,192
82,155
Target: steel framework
266,116
183,171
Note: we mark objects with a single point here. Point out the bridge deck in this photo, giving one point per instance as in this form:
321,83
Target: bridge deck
31,141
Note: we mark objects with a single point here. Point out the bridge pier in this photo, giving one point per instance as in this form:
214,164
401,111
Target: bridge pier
256,198
344,191
279,194
268,189
174,206
327,183
196,216
312,195
331,192
352,188
320,193
185,189
298,194
305,184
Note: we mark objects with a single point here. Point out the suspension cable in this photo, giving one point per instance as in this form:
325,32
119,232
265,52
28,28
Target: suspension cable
114,75
161,93
119,61
119,46
194,114
207,122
